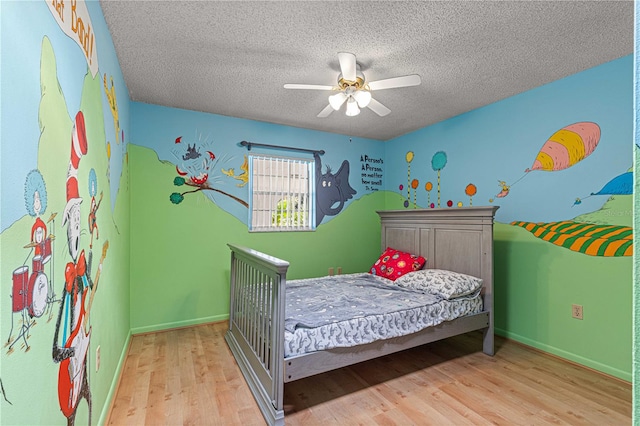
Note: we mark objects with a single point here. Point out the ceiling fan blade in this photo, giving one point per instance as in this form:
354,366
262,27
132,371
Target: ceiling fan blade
378,108
326,111
308,86
347,65
391,83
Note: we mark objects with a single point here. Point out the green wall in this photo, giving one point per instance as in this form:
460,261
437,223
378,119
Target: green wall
536,281
180,259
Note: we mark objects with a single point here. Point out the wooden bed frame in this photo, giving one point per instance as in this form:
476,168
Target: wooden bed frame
456,239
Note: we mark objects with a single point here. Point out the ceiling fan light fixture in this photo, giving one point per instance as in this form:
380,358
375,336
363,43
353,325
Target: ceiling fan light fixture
352,107
353,89
337,100
363,97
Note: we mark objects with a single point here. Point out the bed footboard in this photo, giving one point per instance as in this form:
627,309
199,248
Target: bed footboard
256,326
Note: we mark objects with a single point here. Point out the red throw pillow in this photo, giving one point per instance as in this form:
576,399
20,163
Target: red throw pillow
393,264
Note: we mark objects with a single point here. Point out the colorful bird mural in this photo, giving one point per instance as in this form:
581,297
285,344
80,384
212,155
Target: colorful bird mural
242,177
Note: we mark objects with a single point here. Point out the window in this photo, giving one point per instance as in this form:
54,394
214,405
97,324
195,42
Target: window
281,194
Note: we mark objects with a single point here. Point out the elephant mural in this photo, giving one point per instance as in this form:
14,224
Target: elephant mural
331,189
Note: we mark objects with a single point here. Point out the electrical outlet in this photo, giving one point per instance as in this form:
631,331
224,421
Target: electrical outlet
576,311
97,358
330,271
339,270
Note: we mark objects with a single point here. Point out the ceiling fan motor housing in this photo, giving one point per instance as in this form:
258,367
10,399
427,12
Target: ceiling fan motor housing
357,84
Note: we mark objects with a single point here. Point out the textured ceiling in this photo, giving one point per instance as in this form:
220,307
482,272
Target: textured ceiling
233,58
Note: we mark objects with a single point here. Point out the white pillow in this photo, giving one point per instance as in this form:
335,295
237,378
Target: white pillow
443,283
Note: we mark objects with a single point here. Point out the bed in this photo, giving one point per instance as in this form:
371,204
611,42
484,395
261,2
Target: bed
457,240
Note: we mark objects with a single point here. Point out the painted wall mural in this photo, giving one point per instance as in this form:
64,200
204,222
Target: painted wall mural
594,239
197,167
438,163
69,179
110,91
587,238
71,347
243,176
33,291
332,189
198,171
74,20
469,190
372,172
93,222
619,185
411,184
564,149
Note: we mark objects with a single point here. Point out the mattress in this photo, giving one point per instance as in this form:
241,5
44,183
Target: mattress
355,309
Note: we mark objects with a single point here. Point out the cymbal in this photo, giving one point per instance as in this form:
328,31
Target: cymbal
53,215
31,245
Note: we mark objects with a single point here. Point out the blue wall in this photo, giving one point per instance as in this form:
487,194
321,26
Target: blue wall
539,279
500,141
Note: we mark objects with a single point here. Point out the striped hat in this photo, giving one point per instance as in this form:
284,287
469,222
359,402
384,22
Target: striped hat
78,149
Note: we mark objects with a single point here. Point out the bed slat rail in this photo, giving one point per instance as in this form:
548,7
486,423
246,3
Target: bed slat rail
256,325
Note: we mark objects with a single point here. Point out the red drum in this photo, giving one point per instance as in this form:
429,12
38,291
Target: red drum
46,250
37,294
37,264
19,288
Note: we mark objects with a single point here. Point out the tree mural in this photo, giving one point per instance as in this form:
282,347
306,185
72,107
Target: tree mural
438,162
428,187
409,159
470,190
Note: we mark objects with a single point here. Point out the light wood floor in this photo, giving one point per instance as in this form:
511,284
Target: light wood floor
189,377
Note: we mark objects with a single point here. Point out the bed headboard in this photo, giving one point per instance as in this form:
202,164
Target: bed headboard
457,239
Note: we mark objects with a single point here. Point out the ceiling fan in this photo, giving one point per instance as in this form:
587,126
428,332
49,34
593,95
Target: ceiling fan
355,90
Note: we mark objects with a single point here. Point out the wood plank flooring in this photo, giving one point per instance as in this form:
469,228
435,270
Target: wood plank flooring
189,377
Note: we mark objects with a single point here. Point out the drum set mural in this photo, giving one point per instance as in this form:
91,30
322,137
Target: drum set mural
33,293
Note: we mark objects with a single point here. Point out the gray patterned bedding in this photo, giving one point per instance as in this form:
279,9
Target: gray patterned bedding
353,309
